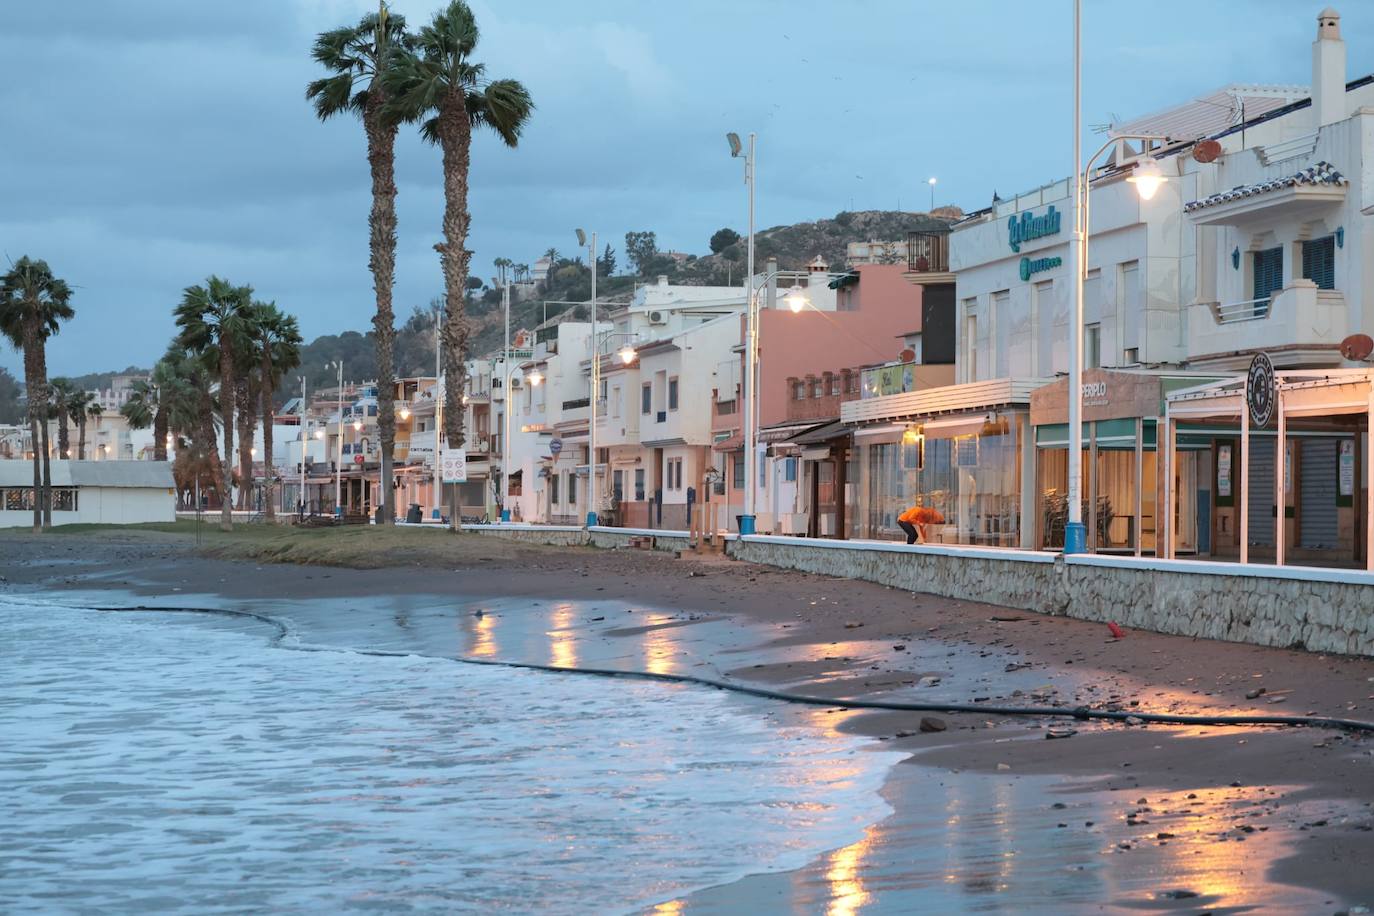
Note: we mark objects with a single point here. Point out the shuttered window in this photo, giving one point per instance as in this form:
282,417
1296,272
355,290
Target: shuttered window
1319,262
1268,272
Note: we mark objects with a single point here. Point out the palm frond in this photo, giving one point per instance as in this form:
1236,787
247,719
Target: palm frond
502,105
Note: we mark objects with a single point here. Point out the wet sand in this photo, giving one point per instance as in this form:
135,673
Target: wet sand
1187,820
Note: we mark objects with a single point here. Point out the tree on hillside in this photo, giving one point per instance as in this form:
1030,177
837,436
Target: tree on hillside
723,239
33,305
213,319
553,256
605,265
360,57
641,248
441,83
277,345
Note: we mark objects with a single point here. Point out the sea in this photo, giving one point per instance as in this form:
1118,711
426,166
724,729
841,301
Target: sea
158,762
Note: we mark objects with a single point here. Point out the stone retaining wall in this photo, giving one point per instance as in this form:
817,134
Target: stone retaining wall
1318,609
573,536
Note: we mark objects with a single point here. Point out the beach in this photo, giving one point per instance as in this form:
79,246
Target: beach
985,809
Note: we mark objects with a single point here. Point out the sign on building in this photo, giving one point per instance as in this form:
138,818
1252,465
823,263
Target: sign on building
1259,390
453,465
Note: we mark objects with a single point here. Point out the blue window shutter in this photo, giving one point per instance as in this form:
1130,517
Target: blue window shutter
1319,261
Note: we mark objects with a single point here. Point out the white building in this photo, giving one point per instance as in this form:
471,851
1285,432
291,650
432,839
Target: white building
90,492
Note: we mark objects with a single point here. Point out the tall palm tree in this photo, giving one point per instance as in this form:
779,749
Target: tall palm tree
552,255
441,85
359,57
277,343
146,407
33,305
246,385
82,406
213,319
61,391
186,388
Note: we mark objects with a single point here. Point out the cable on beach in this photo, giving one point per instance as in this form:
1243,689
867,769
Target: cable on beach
1081,713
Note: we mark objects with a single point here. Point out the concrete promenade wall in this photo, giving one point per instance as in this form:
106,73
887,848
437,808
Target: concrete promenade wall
572,535
1322,610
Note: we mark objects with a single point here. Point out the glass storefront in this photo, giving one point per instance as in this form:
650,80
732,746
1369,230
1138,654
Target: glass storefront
970,471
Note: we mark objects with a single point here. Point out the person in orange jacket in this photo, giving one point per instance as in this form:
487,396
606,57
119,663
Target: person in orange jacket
914,520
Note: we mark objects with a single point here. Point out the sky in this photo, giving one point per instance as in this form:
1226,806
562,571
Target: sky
150,143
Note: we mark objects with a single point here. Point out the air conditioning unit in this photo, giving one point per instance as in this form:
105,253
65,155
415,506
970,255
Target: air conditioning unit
658,317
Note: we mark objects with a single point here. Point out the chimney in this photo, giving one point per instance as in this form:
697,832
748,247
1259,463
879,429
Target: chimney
663,280
1328,69
771,294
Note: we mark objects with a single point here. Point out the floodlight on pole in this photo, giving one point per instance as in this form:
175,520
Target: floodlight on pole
931,181
1147,177
796,300
733,139
627,354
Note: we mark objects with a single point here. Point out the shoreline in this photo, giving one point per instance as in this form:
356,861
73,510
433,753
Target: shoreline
840,638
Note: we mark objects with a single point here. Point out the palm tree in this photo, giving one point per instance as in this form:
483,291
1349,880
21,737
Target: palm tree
552,255
442,85
277,341
147,407
61,390
213,319
33,305
246,386
186,389
359,56
83,406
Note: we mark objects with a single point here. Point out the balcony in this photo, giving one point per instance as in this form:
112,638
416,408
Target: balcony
1300,324
927,257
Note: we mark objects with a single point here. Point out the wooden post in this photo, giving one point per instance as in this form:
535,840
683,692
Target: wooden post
1139,507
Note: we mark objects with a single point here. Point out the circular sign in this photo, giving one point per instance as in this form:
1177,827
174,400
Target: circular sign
1357,347
1259,390
357,459
555,447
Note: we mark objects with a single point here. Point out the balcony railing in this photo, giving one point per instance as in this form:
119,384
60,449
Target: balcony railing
576,403
1249,310
927,252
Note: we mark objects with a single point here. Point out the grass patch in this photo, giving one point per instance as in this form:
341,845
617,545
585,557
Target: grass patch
356,546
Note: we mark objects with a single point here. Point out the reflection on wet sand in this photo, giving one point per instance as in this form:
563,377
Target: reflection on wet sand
847,891
671,908
562,639
483,638
660,645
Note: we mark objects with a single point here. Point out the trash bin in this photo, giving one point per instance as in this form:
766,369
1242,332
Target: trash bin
378,517
413,515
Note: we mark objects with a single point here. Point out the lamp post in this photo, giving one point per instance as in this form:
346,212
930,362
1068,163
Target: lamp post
751,353
535,379
305,442
1147,177
931,181
595,386
338,458
437,486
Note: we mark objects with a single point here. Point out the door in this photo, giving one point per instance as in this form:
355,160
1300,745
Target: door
1317,494
1185,504
1261,510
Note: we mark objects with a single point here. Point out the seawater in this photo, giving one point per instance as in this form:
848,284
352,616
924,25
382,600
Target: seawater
159,762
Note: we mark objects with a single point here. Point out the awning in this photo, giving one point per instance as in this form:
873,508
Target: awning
816,453
779,433
731,444
886,429
953,427
823,433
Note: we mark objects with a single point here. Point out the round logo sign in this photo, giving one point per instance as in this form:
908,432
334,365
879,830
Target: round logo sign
555,447
1259,390
357,459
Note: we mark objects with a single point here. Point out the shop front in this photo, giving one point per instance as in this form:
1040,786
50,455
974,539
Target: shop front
1122,480
963,450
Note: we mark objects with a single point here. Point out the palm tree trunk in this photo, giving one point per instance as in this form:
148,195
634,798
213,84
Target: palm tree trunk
64,442
81,436
160,434
268,470
455,138
226,407
381,156
37,471
246,421
47,480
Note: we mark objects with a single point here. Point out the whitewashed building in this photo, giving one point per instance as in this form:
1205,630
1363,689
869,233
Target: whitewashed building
90,492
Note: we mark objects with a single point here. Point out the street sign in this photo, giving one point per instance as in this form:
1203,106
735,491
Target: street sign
555,447
1259,390
453,465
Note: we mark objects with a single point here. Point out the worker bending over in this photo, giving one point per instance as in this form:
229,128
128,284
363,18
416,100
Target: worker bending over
914,521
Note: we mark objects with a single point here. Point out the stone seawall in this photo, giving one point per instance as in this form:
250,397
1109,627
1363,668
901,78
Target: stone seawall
572,536
1318,609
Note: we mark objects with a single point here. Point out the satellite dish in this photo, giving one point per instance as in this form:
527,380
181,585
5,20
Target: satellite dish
907,356
1206,150
1357,347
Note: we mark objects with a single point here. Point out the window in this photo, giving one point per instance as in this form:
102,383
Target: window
615,401
1092,346
639,484
761,473
789,473
572,488
672,393
833,383
1319,262
553,489
737,470
618,485
971,348
372,410
18,499
725,408
1268,270
675,474
64,500
818,388
799,391
646,398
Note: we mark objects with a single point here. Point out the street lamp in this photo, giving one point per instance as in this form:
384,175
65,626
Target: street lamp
796,300
751,345
627,354
338,458
405,413
505,444
1146,177
931,181
534,378
595,383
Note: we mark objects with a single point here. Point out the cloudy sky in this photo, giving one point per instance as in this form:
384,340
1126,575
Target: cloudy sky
149,143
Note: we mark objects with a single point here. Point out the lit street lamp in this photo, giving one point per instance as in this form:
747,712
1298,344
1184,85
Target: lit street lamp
595,386
931,181
338,461
1146,177
751,340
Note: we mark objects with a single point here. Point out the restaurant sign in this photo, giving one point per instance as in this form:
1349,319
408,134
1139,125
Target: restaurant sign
883,380
1027,226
